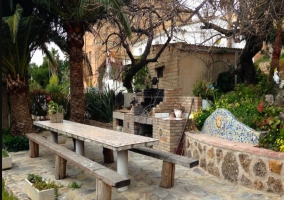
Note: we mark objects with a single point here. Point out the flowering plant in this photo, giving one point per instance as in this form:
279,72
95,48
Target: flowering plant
269,120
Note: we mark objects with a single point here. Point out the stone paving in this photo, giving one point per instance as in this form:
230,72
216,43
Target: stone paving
144,172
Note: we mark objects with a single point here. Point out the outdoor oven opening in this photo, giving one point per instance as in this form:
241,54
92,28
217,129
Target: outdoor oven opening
143,129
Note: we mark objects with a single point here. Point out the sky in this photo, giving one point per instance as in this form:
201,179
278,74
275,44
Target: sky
38,55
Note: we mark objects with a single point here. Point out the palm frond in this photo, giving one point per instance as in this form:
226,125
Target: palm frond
13,22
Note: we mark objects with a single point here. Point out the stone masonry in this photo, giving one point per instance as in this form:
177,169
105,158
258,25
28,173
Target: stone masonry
238,163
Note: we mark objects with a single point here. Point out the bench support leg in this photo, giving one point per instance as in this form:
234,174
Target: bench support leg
34,149
122,165
79,147
108,155
168,175
54,137
60,167
103,191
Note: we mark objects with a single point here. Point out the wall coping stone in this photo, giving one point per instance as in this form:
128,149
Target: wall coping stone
236,146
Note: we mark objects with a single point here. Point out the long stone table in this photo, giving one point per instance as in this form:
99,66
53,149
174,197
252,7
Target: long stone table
115,140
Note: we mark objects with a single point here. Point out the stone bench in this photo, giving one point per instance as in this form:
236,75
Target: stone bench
169,161
105,177
223,124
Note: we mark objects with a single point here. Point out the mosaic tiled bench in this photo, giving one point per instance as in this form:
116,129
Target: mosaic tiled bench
222,123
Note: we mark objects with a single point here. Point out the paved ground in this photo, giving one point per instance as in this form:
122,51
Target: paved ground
144,172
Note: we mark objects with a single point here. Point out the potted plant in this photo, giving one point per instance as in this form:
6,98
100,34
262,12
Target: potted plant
56,112
201,89
6,160
39,189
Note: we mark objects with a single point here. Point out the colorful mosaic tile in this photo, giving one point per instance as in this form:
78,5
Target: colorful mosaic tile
223,124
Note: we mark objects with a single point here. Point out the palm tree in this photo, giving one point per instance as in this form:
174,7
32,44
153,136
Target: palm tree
76,17
23,30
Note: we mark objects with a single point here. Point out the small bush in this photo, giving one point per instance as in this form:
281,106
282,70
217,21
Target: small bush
5,194
14,143
100,104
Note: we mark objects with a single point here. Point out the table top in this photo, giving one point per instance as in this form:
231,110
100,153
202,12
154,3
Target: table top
110,139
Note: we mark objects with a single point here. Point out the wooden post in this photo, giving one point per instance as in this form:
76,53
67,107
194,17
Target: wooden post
34,149
168,175
60,167
108,155
103,190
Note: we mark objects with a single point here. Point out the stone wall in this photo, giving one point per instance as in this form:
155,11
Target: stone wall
238,163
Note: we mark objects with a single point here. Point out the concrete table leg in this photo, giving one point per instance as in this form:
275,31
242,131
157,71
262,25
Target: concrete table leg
79,147
54,136
122,165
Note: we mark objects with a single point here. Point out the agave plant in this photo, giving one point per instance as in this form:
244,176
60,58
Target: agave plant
100,104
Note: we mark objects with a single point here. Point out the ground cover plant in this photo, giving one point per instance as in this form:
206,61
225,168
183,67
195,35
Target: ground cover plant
14,143
5,194
41,184
247,103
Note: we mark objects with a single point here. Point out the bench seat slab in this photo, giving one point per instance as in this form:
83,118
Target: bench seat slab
108,176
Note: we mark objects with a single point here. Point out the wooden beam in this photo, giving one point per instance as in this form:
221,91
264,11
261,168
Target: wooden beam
168,175
34,149
60,167
103,190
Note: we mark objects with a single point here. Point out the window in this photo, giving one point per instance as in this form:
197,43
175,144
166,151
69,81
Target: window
160,71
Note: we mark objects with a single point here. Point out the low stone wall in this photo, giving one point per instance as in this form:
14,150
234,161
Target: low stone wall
239,163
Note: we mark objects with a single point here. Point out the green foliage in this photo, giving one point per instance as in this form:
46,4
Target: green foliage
200,88
54,108
244,104
53,86
225,82
100,104
4,153
14,143
74,185
39,74
41,184
142,80
5,194
34,86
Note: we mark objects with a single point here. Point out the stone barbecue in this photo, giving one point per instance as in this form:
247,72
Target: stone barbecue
156,121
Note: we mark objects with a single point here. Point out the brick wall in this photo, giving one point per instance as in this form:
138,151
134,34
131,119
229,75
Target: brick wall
173,97
128,123
168,132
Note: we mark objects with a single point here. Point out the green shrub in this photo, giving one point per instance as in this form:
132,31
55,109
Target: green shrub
244,103
100,104
14,143
5,194
226,81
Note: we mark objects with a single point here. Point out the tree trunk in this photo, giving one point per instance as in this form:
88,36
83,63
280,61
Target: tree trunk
276,46
75,42
246,69
21,122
